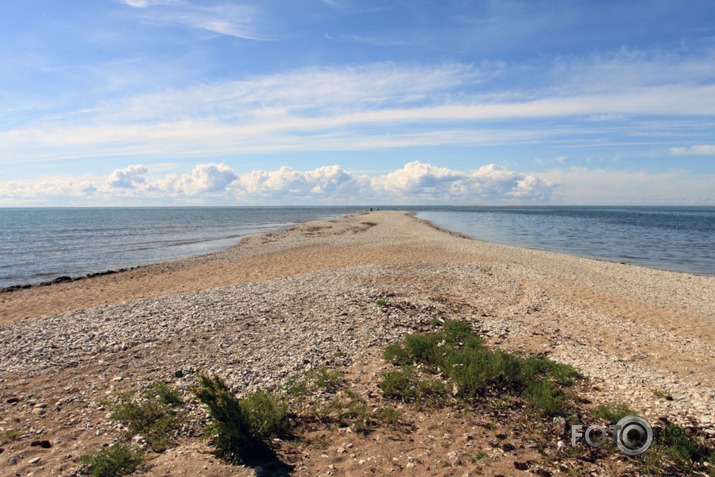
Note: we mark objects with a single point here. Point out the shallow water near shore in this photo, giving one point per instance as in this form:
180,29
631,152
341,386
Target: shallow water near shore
40,244
679,239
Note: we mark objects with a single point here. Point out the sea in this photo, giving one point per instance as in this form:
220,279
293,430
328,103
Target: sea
40,244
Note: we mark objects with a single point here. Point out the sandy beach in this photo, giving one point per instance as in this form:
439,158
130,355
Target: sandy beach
286,302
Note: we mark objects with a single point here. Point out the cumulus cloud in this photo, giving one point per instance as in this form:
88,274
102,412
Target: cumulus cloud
415,182
204,179
491,182
702,150
128,178
326,181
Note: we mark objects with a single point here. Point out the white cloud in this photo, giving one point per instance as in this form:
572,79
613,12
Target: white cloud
416,182
702,150
226,19
204,179
326,181
491,182
128,178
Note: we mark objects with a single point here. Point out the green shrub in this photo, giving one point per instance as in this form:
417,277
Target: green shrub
147,416
164,393
381,303
404,385
399,384
234,440
545,396
396,354
388,415
457,353
118,459
267,414
330,381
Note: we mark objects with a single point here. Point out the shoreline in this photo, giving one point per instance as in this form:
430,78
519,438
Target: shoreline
68,278
286,302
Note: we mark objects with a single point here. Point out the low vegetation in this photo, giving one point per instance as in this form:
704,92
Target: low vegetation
474,370
240,428
448,366
115,460
150,414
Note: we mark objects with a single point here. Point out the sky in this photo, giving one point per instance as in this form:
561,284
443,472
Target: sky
222,102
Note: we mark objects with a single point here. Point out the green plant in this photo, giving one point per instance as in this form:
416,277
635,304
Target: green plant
396,354
267,414
322,378
612,412
678,451
399,384
164,393
10,435
231,427
405,385
388,415
381,302
115,460
148,416
663,394
296,386
481,455
475,370
435,322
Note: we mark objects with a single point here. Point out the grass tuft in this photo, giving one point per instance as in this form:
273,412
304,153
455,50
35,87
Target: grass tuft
613,412
457,353
115,460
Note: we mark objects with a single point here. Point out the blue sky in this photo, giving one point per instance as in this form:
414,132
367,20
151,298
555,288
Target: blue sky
162,102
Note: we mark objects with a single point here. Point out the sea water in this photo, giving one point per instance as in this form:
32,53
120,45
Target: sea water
40,244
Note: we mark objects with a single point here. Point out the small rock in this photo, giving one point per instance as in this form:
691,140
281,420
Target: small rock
453,458
341,450
44,444
34,460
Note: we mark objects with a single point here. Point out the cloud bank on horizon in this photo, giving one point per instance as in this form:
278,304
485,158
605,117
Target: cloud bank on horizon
416,182
140,102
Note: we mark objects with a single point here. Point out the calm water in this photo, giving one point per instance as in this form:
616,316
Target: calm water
38,244
669,238
41,244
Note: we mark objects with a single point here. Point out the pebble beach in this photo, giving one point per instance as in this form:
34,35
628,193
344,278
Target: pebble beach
286,302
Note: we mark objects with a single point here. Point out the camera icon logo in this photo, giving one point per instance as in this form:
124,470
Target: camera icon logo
633,435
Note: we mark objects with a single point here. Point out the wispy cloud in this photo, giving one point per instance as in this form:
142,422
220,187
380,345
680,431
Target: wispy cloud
226,19
701,150
380,105
368,40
